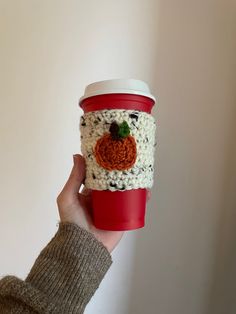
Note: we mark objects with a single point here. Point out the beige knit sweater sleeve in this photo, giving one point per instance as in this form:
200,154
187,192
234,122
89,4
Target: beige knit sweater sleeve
63,278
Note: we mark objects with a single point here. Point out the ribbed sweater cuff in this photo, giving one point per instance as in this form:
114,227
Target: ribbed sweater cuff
70,268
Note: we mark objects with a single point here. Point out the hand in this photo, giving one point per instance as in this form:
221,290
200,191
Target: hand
75,207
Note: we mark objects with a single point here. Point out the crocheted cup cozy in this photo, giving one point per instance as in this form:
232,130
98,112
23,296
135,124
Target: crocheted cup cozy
119,147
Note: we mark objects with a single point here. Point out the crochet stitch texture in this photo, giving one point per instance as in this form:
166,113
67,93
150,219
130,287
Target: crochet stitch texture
115,154
112,174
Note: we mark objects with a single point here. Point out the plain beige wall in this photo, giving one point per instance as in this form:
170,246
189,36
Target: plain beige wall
183,261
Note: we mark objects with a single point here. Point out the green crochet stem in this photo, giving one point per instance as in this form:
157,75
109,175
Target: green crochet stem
119,131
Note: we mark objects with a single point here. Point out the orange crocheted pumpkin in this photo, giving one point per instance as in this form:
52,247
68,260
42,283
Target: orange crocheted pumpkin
116,150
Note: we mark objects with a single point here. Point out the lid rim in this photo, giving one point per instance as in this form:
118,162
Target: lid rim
131,92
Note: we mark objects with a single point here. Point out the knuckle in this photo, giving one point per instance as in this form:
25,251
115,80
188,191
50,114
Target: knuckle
59,199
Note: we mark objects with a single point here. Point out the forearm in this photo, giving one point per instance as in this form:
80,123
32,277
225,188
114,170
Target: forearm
64,277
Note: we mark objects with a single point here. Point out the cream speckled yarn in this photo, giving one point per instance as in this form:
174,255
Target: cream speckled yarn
94,124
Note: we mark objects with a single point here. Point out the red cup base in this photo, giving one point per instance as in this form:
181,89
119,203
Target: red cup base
119,211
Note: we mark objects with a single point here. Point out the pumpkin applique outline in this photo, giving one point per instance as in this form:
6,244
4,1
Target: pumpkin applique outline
116,150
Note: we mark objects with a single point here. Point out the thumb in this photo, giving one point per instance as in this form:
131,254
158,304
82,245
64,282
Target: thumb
76,177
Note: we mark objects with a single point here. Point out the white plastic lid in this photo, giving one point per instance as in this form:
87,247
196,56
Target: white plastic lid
117,86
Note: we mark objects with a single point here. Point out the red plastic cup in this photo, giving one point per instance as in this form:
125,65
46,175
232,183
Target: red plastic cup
118,210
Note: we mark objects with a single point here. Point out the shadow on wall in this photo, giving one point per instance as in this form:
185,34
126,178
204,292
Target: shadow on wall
222,298
186,255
